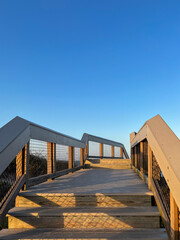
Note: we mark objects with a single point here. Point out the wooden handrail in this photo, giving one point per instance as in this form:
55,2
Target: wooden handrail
164,146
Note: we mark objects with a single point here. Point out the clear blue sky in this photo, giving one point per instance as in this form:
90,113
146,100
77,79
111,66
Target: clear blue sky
96,66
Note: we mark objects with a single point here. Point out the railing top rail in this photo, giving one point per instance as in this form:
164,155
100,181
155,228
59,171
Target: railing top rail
88,137
166,148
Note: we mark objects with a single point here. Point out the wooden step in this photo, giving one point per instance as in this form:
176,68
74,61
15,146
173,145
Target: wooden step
109,163
84,218
28,199
61,234
110,160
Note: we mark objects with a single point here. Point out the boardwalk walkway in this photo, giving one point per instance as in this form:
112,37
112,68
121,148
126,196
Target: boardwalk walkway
88,204
94,181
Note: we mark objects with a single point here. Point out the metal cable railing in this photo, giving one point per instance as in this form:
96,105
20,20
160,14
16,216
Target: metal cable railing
76,157
7,182
37,158
161,185
61,157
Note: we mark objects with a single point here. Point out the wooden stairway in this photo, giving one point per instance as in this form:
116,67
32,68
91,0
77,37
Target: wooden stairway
98,215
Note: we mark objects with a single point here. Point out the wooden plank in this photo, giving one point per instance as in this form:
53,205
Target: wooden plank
62,234
87,200
81,217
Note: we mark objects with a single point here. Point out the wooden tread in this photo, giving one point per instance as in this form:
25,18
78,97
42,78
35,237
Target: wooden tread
148,234
28,199
97,218
109,163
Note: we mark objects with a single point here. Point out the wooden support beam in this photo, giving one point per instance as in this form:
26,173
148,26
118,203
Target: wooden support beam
132,156
150,155
101,150
81,156
112,151
71,157
22,164
121,152
135,156
51,158
174,218
141,156
87,150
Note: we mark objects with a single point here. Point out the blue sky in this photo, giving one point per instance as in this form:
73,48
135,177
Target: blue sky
96,66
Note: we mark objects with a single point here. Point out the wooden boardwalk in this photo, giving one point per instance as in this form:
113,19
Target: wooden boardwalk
89,181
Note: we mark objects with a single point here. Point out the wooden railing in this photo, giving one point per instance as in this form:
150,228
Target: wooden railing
17,161
155,155
102,141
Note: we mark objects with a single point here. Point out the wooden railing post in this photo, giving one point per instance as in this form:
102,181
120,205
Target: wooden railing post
132,156
150,155
22,164
71,157
174,218
135,156
121,152
81,156
51,158
87,150
101,150
112,151
141,157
